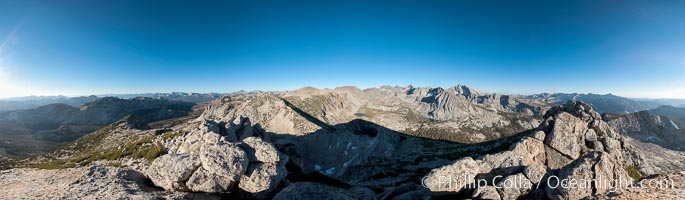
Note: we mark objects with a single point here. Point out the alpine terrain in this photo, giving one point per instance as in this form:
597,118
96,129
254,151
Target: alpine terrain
389,142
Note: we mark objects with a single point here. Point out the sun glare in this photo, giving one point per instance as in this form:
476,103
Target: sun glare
7,89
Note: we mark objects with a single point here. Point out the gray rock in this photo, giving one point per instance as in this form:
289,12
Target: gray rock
567,135
266,170
171,171
503,163
262,178
93,182
540,135
208,132
222,166
652,159
577,146
530,151
260,151
535,173
581,172
211,133
487,192
205,181
240,128
454,177
611,145
590,135
607,169
514,186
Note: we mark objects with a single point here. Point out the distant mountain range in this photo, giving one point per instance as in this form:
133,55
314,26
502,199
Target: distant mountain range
667,102
601,102
606,102
34,102
43,128
31,102
673,112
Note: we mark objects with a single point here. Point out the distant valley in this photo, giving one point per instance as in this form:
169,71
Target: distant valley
45,128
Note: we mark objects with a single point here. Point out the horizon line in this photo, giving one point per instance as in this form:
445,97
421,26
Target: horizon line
326,88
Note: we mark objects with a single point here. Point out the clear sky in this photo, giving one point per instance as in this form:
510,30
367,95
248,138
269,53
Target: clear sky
632,48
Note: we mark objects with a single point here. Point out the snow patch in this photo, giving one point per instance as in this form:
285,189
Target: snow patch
674,125
329,171
653,139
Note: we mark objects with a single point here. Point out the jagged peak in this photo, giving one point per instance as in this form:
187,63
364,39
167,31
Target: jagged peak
465,90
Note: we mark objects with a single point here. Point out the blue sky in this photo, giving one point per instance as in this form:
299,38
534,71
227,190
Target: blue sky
630,48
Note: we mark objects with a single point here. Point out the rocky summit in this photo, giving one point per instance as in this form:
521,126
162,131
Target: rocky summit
572,143
346,143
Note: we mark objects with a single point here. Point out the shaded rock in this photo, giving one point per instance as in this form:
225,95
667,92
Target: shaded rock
556,160
536,194
362,193
171,171
211,131
416,194
395,192
502,164
310,190
514,186
581,172
239,129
